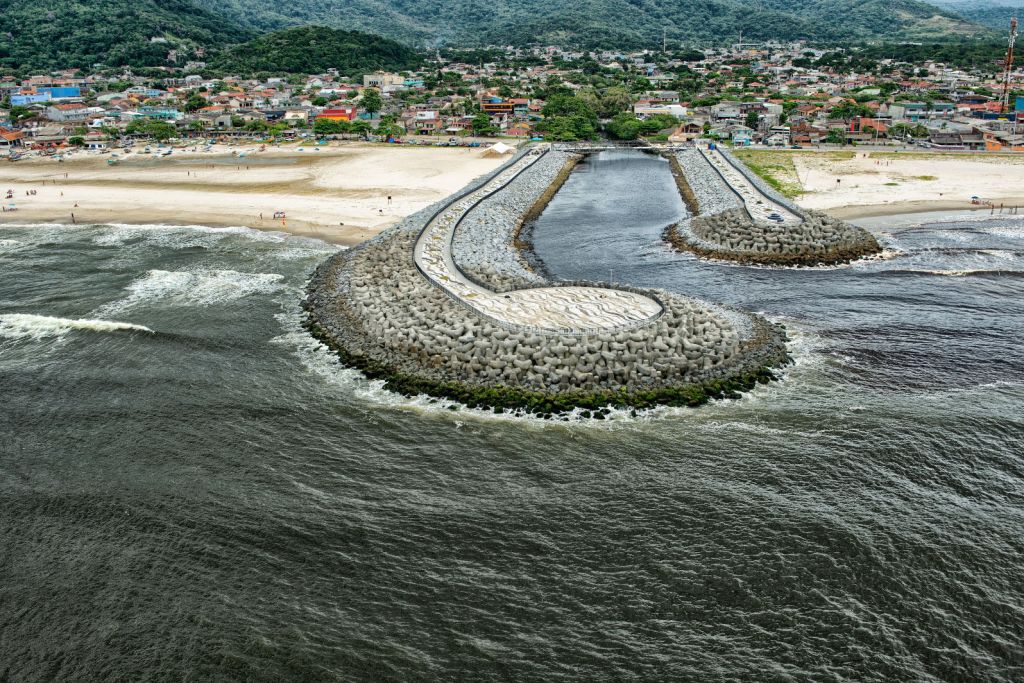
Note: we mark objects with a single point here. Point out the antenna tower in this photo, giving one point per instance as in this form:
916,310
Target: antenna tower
1009,66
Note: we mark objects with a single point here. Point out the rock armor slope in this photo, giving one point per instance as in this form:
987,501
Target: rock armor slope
731,205
384,314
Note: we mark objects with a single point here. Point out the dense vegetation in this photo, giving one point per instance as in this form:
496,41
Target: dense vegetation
314,49
49,34
993,13
987,54
46,34
605,23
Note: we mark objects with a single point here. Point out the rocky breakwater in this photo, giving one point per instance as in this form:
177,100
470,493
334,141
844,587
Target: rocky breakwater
486,243
399,308
738,217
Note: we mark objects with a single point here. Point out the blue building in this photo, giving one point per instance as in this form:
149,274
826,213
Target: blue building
63,93
25,100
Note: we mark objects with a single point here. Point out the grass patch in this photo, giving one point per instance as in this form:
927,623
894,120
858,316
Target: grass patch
925,177
776,167
892,184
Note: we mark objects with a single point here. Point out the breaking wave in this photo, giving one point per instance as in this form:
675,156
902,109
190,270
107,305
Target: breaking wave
26,326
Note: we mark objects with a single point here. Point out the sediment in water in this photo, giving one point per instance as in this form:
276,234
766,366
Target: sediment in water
378,311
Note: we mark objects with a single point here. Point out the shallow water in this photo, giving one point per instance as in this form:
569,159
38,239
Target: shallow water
213,498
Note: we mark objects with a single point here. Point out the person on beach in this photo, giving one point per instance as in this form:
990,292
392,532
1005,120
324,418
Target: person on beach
73,221
389,200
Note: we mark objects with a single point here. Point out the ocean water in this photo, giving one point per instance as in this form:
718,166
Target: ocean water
191,489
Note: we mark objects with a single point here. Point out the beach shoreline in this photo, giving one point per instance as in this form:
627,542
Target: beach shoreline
857,212
342,194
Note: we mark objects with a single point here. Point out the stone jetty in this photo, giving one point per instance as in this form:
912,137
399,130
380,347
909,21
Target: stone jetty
443,304
736,216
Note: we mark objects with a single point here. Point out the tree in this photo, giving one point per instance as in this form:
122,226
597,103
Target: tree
752,119
320,101
614,100
330,127
849,110
389,127
625,126
19,114
568,118
195,103
836,136
372,101
482,125
158,130
77,141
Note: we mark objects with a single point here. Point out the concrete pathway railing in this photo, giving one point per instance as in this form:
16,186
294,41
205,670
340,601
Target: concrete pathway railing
757,203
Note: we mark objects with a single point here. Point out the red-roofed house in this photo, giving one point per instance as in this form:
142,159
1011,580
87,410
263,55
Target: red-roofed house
346,113
9,139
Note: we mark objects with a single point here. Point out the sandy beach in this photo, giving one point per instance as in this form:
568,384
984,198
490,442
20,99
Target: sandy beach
888,183
337,193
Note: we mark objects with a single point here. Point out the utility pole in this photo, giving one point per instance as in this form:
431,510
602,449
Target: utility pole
664,40
1009,66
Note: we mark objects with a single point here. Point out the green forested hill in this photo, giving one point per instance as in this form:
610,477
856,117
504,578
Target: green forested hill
605,23
314,49
47,34
993,13
41,34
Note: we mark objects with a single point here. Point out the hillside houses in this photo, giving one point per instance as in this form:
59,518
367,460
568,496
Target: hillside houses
773,94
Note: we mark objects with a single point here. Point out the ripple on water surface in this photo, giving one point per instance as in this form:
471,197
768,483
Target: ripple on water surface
219,500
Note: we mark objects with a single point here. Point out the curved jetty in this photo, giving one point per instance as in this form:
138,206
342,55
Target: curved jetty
443,304
738,217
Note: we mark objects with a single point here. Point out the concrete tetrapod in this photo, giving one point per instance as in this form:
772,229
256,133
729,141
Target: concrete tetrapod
399,308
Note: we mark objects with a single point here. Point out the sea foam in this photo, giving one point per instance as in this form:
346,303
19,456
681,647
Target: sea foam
200,288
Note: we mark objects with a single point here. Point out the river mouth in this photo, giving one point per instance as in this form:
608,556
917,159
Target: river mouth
608,193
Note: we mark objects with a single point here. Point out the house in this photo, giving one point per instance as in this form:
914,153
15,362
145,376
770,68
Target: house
424,123
741,136
778,136
344,113
293,116
96,141
726,111
67,112
645,110
10,139
496,106
382,79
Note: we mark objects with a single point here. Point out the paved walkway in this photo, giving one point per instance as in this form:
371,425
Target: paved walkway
758,205
547,309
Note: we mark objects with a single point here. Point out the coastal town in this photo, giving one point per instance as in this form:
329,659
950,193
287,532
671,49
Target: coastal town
771,95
